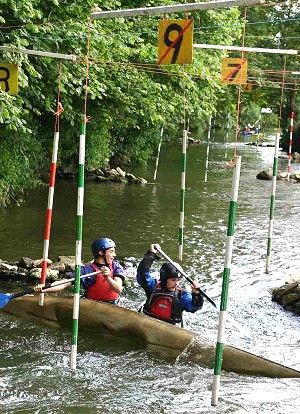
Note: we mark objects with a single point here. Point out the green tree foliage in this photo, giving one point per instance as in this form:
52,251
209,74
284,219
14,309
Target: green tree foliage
129,96
273,27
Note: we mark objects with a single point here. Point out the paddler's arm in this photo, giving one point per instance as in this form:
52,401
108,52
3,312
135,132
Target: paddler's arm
53,288
144,277
115,283
67,284
192,301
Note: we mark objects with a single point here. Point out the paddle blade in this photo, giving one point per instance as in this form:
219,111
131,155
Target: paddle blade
4,299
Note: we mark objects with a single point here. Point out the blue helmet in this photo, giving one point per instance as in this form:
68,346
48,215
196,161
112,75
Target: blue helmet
102,244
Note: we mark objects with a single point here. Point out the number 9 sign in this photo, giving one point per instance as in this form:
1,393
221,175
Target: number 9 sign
175,44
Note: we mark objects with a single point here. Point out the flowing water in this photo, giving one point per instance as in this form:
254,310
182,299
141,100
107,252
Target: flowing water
111,376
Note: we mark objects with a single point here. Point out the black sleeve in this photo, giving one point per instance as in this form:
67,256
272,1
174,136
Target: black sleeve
197,300
148,259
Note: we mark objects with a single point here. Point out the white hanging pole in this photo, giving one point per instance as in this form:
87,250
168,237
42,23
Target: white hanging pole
207,148
182,193
290,144
272,203
226,134
246,49
158,152
214,127
174,8
38,53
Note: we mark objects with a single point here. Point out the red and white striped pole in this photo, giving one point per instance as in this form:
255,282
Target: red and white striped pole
290,144
48,218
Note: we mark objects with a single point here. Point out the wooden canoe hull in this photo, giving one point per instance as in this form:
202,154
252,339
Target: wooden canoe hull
98,318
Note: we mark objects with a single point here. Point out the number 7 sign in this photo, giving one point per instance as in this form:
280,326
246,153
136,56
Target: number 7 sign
175,44
234,71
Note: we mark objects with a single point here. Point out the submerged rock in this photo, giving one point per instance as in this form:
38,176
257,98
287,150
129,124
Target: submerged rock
68,262
51,274
26,263
288,296
27,270
103,175
267,174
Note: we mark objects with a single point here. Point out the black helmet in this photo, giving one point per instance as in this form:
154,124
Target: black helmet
168,271
101,244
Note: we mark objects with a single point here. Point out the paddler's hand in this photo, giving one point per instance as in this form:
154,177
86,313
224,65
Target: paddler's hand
195,287
39,288
105,271
155,247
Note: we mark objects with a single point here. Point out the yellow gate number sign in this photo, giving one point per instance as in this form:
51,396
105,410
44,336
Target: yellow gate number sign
175,43
234,71
9,78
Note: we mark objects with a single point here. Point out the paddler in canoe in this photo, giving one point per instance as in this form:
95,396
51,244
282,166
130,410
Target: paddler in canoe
147,330
165,299
107,284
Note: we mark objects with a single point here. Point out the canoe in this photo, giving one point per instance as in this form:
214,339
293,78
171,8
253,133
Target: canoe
98,318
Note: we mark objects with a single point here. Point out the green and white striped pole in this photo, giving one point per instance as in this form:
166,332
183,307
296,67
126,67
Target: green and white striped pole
214,127
290,145
258,132
226,134
182,193
272,203
207,148
79,223
79,218
225,284
158,152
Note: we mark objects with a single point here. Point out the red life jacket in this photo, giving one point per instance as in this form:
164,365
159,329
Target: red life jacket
164,305
101,289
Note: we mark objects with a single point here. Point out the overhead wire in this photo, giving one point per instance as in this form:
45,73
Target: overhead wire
148,67
72,21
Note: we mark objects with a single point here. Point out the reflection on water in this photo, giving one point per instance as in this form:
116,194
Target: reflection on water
35,374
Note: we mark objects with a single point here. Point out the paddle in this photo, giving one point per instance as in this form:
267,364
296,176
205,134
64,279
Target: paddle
163,254
5,298
243,331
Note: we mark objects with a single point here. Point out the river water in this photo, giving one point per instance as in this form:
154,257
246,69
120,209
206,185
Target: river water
114,378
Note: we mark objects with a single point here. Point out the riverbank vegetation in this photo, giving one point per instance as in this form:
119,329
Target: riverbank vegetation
129,96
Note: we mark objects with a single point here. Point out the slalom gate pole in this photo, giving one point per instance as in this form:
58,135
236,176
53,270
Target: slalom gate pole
158,152
207,148
214,127
272,203
225,284
226,134
79,219
48,217
79,225
290,145
182,193
258,134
